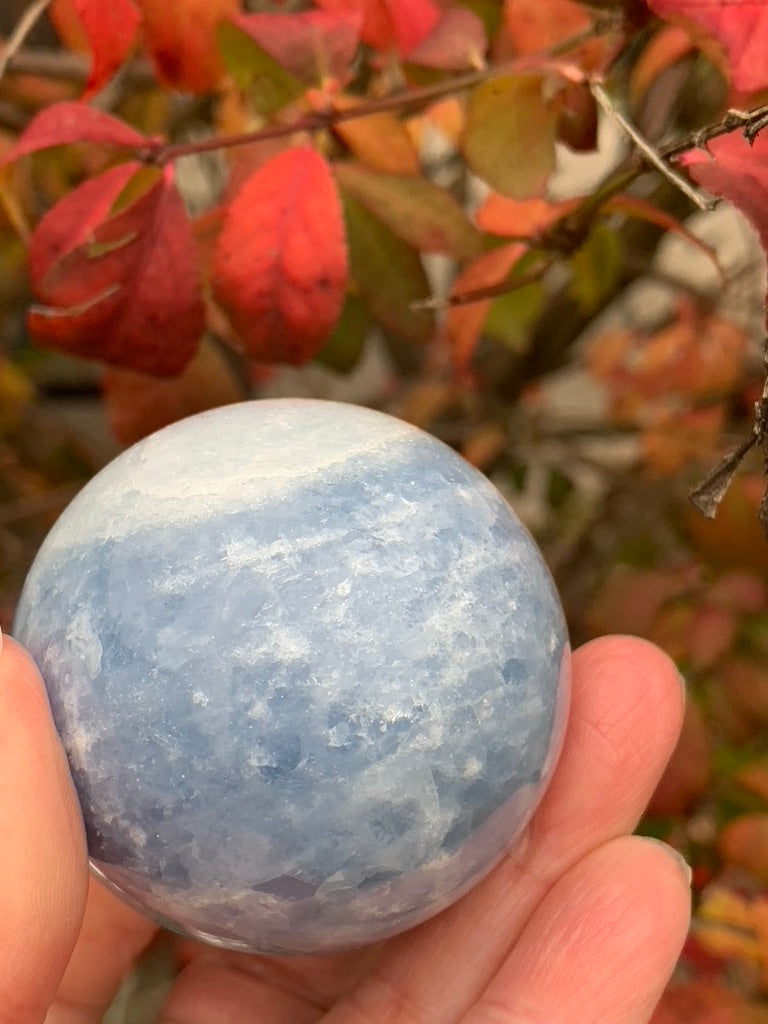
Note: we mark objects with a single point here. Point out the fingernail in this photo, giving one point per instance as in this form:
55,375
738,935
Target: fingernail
682,864
683,683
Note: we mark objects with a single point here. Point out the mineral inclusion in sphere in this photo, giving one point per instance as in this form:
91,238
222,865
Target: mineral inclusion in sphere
309,670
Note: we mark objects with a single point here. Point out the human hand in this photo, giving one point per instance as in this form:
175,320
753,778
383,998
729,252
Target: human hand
581,922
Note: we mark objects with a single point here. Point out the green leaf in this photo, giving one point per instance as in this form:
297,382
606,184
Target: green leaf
595,268
511,316
509,138
345,346
416,210
490,12
269,86
388,273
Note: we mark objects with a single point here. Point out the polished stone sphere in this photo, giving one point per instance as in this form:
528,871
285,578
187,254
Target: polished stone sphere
309,670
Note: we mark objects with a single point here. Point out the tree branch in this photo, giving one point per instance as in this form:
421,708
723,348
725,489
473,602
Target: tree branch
651,154
25,25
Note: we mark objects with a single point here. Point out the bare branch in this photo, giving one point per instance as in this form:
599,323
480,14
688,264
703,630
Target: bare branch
23,28
706,497
648,150
751,123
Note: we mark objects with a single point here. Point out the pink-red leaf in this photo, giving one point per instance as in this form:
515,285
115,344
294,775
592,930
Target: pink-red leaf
312,45
390,24
457,42
741,26
733,169
280,265
110,29
123,288
70,122
69,223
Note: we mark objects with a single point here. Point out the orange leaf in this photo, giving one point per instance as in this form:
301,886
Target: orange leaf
682,436
381,141
754,777
535,27
696,356
744,841
520,218
180,36
109,30
280,265
138,405
464,323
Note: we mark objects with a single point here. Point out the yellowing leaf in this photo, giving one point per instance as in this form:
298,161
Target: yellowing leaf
509,139
595,267
388,274
15,394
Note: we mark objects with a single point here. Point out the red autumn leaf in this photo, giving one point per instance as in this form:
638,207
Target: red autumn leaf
733,169
68,224
310,44
280,265
69,122
122,288
110,29
390,24
180,36
741,26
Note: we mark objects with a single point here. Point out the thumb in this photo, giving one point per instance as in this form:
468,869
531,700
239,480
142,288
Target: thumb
43,863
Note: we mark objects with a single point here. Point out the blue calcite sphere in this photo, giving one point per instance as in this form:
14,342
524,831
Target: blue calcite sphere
309,670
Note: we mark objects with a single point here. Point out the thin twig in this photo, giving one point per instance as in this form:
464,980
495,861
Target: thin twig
26,23
751,123
399,101
648,150
490,291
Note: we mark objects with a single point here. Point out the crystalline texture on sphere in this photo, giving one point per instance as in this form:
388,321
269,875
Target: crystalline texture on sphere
309,670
